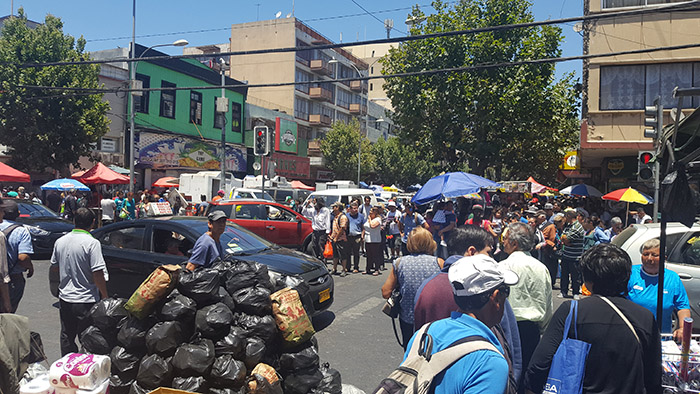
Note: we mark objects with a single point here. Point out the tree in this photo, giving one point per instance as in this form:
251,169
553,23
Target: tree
401,163
44,127
340,148
514,121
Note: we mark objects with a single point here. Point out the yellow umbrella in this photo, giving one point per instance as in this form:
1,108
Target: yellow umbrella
628,195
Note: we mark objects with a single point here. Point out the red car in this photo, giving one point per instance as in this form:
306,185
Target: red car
272,221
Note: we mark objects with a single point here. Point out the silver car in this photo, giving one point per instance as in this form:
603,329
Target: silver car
682,251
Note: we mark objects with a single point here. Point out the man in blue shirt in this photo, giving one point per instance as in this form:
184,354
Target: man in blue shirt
356,222
208,248
409,220
19,250
480,288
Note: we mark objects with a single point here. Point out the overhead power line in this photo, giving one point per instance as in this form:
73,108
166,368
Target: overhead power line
677,7
374,16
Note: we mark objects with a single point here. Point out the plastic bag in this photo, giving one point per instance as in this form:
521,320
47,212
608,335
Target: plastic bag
305,358
164,338
228,372
106,314
124,363
264,380
331,382
96,342
225,298
294,281
233,343
214,321
178,308
132,334
253,300
194,384
154,371
119,384
194,359
215,390
328,250
154,289
302,382
254,351
350,389
136,389
201,285
263,327
244,274
291,317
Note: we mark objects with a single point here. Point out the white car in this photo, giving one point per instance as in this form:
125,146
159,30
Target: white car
682,251
343,195
241,192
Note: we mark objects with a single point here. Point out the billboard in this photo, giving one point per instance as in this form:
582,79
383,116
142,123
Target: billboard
285,135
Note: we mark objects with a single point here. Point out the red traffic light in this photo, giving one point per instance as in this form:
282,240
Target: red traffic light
645,158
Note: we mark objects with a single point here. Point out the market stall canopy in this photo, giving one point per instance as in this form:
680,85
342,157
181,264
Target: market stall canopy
301,185
537,187
449,185
166,181
9,174
101,175
64,184
628,195
582,190
118,170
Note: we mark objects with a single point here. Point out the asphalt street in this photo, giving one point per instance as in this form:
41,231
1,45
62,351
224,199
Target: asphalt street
354,336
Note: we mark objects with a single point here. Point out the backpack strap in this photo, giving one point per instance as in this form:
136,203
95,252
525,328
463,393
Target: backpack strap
10,229
622,315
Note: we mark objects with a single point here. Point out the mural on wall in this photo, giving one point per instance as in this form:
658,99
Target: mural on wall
169,151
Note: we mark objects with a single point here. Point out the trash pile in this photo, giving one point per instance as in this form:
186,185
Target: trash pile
677,376
227,329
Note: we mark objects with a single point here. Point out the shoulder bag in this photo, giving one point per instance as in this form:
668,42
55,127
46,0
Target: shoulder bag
569,362
392,307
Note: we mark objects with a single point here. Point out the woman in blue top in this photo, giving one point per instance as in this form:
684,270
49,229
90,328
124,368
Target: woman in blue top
643,287
594,234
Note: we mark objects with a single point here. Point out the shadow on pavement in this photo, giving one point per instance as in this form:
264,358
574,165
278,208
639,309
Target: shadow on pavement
323,320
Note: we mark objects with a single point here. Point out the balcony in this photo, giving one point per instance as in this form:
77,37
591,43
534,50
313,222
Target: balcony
358,86
320,67
357,109
319,120
320,94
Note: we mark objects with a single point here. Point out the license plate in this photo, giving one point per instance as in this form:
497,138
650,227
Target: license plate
324,295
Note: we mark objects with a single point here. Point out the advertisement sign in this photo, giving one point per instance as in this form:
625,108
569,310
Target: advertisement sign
169,151
325,176
285,135
571,161
290,166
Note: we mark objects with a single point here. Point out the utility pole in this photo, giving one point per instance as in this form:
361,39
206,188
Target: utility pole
222,107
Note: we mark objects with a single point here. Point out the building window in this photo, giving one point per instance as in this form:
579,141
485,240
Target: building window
219,117
196,107
301,108
167,100
371,70
301,76
236,110
635,3
344,98
621,87
371,86
304,57
141,102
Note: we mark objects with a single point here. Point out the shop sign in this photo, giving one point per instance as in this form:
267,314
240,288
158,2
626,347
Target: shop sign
571,161
285,135
620,167
325,176
168,151
291,166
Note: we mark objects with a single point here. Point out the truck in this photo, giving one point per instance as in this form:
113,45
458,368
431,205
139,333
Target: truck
335,185
206,183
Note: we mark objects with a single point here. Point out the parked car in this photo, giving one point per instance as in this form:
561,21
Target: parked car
241,192
44,225
682,249
275,222
133,249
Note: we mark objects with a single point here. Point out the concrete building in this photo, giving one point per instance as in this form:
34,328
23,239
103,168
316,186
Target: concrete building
371,54
616,89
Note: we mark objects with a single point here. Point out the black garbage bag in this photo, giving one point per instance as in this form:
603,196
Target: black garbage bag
201,285
253,300
214,321
137,389
216,390
120,384
331,382
194,359
106,314
257,384
178,308
293,281
194,384
154,371
225,298
254,351
96,341
124,364
302,382
305,358
263,327
228,372
244,274
233,343
164,338
132,334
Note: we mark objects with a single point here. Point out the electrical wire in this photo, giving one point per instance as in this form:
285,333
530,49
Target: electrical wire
676,7
375,17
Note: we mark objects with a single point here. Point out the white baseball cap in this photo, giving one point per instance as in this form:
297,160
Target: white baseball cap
478,274
391,203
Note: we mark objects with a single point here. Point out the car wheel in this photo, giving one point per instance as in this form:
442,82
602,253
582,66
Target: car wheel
308,247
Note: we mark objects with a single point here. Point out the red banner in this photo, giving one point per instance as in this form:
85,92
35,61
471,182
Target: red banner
290,166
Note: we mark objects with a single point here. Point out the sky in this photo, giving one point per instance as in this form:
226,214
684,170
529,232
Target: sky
108,24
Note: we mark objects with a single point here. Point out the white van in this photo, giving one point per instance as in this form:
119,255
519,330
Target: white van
241,192
343,195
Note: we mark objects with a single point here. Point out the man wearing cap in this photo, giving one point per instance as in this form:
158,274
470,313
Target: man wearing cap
219,195
549,211
391,226
480,288
208,248
19,250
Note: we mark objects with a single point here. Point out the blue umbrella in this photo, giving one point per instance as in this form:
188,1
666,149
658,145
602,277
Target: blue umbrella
64,184
452,184
581,189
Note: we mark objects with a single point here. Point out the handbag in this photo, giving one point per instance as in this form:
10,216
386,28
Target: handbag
569,362
328,250
392,306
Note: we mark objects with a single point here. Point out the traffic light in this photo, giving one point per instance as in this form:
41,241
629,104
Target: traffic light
653,119
261,145
646,167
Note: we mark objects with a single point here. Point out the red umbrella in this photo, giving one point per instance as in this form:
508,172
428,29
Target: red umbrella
9,174
101,175
301,185
167,181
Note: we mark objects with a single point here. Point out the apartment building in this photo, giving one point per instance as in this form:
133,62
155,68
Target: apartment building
616,89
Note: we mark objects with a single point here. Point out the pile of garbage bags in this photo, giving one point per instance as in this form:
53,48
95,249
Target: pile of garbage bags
227,329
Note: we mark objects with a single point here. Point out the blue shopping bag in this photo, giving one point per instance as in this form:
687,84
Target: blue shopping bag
569,362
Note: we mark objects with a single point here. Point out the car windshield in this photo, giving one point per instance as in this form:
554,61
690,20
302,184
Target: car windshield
624,236
263,196
35,211
236,240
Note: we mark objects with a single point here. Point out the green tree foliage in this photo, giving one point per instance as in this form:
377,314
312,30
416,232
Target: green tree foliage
401,163
513,121
340,148
47,128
